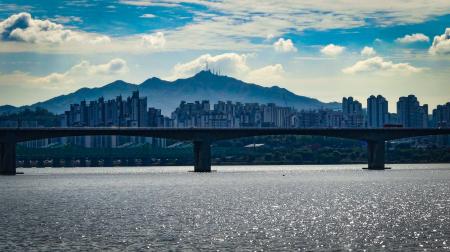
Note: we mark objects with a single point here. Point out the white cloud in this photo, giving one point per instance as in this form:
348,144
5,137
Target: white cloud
441,44
413,38
23,28
332,50
86,69
100,40
22,33
228,63
379,65
318,14
83,74
268,75
233,24
368,51
155,40
147,16
35,88
231,64
284,45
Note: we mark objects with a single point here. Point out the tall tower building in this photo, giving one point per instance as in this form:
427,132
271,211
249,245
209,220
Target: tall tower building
441,116
351,106
377,111
411,114
352,113
143,114
134,102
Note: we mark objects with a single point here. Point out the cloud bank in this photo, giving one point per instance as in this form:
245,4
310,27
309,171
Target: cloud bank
21,32
368,51
379,65
85,69
231,64
284,45
23,28
441,44
332,50
413,38
84,73
156,40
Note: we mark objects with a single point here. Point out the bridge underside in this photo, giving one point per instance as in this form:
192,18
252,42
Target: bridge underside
202,156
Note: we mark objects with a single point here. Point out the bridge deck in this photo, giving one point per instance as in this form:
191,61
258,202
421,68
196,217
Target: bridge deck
202,138
25,134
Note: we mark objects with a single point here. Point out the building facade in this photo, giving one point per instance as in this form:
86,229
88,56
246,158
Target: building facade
118,112
352,113
410,114
377,111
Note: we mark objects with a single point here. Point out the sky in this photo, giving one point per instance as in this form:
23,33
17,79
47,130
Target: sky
316,48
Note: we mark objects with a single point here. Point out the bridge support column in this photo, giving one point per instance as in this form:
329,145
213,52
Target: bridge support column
375,153
202,156
8,158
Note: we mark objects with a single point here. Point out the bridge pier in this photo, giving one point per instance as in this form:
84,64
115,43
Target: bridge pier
375,153
202,156
8,158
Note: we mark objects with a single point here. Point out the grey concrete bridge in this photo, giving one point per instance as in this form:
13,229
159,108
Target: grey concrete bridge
203,137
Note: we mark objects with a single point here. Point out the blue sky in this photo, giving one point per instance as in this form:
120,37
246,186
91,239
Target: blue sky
323,49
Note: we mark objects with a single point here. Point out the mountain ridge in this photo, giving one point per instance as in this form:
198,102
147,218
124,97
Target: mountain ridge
203,86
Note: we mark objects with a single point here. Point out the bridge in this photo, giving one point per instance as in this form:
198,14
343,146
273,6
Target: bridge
203,137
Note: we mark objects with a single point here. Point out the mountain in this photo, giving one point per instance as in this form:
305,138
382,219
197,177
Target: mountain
8,109
167,95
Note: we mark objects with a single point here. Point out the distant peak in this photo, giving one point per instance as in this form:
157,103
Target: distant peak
206,73
152,79
117,82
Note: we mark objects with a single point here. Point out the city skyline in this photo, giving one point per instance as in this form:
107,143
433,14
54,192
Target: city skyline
48,49
134,112
377,101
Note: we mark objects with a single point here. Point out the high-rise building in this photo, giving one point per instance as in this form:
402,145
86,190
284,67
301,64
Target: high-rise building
441,119
269,115
353,116
83,113
305,119
410,114
135,111
143,114
351,106
377,111
441,116
131,112
155,119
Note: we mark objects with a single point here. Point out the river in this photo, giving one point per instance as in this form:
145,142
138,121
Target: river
335,207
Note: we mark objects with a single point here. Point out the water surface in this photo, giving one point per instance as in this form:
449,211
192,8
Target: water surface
234,208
